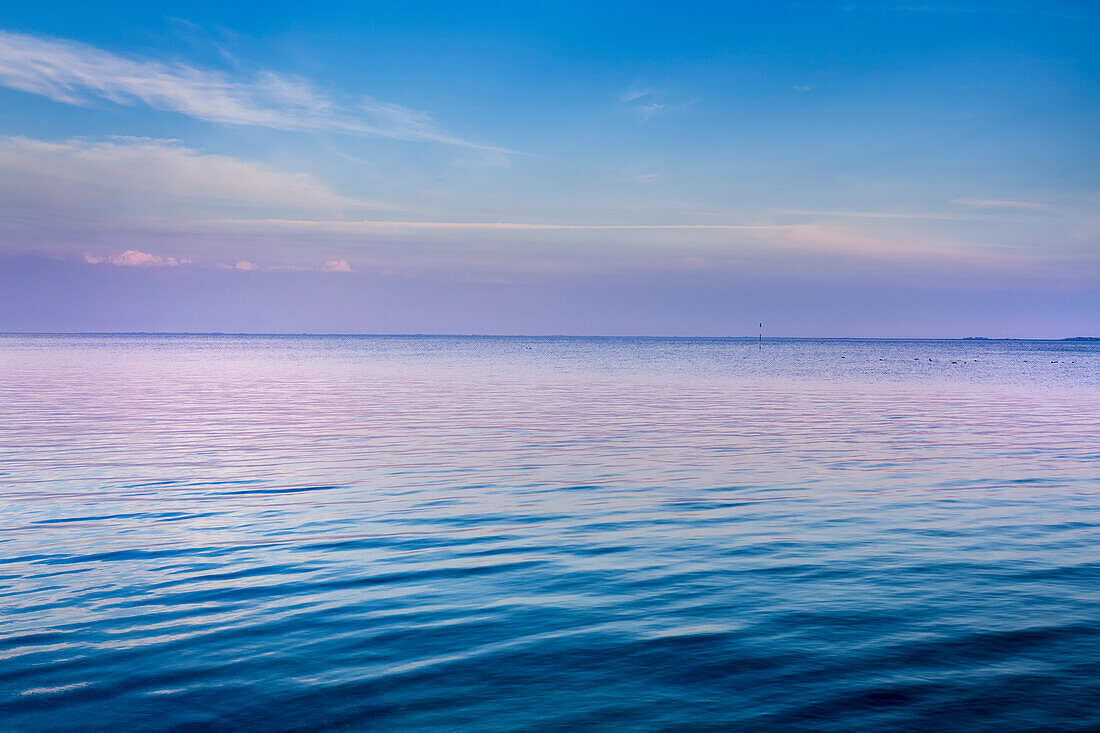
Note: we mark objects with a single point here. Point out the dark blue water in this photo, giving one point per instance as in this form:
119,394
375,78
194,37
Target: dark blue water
425,534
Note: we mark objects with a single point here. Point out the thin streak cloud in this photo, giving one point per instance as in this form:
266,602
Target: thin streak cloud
490,225
999,204
899,215
76,73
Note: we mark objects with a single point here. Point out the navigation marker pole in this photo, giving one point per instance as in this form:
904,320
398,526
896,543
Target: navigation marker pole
760,337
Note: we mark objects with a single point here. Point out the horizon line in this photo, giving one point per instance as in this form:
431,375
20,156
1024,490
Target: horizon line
545,336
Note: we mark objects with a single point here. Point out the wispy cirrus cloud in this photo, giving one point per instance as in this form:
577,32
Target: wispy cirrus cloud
118,199
161,178
139,203
647,103
77,73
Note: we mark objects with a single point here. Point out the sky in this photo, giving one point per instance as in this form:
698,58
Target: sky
888,169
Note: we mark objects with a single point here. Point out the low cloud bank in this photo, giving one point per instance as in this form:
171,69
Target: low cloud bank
137,258
134,258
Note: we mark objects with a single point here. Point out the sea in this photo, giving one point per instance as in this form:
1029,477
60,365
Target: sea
419,533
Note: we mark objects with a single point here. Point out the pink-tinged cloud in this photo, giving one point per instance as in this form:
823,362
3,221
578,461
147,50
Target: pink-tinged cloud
245,265
337,266
134,258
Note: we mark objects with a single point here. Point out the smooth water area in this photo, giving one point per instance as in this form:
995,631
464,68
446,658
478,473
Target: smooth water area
513,534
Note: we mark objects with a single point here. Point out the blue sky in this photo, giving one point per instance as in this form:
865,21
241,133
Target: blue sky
832,168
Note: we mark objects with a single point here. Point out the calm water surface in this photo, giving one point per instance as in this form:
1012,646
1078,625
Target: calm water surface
509,534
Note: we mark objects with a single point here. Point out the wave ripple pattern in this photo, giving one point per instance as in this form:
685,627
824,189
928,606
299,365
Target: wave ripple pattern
513,534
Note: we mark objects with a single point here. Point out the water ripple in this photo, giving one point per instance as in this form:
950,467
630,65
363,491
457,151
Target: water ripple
626,534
